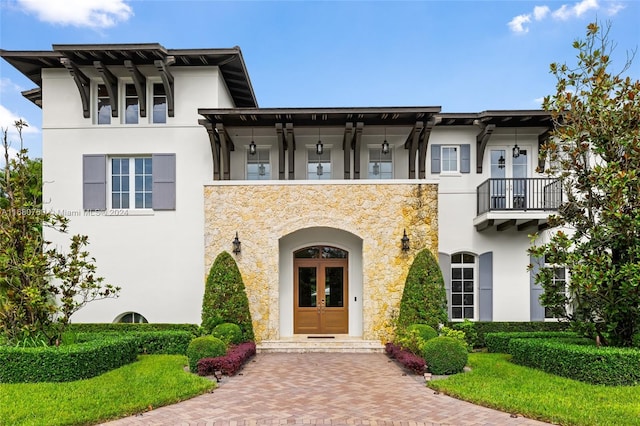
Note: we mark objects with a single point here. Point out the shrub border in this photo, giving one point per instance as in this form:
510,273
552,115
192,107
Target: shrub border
483,327
499,342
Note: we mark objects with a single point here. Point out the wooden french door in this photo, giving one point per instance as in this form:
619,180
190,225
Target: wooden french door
320,293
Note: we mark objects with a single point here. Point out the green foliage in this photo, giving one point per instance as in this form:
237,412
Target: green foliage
426,332
204,347
594,152
168,342
499,342
40,286
424,300
413,337
152,381
65,363
480,329
495,382
454,334
445,355
228,333
122,327
225,299
585,362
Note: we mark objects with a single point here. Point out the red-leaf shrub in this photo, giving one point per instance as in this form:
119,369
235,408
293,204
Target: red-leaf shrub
408,360
230,363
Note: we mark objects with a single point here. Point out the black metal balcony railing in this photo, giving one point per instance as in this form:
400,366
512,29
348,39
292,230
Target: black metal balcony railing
519,194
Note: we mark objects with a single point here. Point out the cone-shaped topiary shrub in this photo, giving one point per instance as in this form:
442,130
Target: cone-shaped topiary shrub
204,347
445,355
228,333
225,299
424,300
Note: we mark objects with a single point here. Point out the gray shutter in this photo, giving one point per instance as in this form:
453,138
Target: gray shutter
164,181
536,309
445,266
435,158
465,158
94,182
485,302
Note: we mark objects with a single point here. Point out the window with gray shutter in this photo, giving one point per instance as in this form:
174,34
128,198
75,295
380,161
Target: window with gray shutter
94,182
536,309
465,158
164,181
435,158
485,267
445,266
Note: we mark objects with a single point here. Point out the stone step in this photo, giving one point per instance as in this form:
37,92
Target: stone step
301,345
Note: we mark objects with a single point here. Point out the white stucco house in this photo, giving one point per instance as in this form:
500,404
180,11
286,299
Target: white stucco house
162,157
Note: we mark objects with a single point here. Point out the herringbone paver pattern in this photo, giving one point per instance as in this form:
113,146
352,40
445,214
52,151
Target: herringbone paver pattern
323,388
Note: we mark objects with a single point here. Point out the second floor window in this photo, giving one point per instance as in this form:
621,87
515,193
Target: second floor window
131,104
319,166
159,104
449,159
104,105
380,165
258,167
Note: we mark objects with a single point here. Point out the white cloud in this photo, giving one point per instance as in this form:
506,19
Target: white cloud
7,86
566,12
98,14
563,13
539,101
540,12
517,24
7,120
585,6
614,8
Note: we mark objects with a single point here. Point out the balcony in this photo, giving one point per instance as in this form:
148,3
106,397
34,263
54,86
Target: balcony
523,203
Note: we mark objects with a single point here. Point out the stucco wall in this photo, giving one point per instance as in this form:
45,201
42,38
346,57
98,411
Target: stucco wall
377,213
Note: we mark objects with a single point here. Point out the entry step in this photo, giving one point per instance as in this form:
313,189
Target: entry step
311,343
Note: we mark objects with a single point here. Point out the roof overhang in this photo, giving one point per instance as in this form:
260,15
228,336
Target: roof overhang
230,62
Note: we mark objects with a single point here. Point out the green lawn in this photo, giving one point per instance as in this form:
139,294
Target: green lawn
153,380
495,382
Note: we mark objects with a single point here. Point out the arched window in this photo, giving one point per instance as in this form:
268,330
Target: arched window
131,317
464,296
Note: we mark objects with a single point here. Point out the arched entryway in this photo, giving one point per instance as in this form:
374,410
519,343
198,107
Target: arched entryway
321,290
329,256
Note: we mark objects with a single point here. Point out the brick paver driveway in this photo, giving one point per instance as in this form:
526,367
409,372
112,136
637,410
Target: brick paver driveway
323,388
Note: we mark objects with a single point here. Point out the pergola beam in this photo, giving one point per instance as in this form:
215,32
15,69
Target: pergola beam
111,83
423,145
282,146
291,148
167,80
346,148
83,83
140,83
542,139
412,144
215,147
357,141
482,139
506,225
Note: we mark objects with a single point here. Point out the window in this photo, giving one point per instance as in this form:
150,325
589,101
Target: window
132,317
128,173
159,104
449,159
104,105
131,104
258,167
463,286
319,166
380,165
559,282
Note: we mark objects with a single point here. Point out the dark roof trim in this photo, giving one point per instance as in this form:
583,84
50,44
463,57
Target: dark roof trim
229,60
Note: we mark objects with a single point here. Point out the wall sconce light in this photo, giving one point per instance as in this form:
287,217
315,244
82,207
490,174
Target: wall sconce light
319,147
516,148
405,241
236,244
252,145
385,144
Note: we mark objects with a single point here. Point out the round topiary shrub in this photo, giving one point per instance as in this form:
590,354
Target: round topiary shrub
204,347
228,333
426,332
444,355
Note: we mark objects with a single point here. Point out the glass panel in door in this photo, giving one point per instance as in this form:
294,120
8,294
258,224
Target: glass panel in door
307,287
334,287
498,182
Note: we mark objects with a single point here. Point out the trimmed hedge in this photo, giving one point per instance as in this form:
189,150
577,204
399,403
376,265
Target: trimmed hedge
445,355
122,327
587,363
499,342
65,363
477,339
230,363
407,359
148,342
228,333
204,347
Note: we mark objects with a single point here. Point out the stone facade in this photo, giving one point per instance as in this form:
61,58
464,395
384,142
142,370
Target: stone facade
375,212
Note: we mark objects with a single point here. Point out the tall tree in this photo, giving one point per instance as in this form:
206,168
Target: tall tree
40,286
595,152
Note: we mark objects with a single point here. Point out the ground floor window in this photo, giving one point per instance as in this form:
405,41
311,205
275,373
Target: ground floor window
132,317
559,283
463,286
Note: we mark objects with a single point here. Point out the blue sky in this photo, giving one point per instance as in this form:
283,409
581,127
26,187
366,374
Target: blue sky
465,56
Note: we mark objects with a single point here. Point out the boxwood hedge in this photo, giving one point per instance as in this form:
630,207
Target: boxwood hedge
67,362
148,342
499,342
587,363
122,327
477,330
